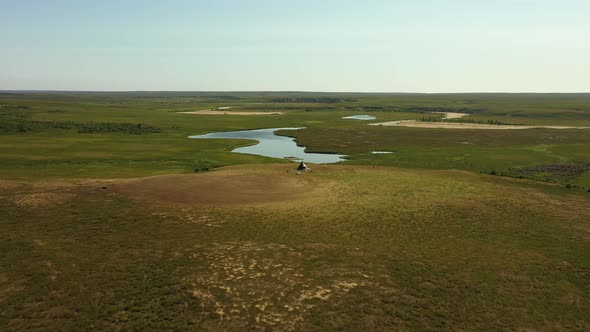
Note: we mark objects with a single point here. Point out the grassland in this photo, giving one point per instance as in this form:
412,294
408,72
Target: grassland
106,225
340,248
52,145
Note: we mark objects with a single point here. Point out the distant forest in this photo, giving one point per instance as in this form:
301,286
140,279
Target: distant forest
323,100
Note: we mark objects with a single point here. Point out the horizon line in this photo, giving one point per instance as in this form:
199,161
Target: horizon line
283,91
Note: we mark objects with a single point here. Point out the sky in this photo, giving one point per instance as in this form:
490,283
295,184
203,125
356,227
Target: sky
305,45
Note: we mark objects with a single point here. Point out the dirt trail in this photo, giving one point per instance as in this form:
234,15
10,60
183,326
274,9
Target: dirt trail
459,125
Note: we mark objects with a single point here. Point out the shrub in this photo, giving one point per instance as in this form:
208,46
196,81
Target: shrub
23,125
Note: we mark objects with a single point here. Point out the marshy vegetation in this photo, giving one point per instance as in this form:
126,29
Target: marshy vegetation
440,118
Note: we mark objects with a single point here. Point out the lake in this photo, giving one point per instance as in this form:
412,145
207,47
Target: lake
271,145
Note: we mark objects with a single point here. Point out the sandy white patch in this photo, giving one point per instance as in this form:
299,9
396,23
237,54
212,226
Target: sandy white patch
452,125
224,112
458,125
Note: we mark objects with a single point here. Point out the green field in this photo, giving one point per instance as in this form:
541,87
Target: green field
112,219
41,138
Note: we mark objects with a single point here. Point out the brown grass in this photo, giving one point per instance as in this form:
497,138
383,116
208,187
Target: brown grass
228,186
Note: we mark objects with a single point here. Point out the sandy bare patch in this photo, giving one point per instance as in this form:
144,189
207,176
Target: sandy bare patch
45,193
230,186
451,115
188,217
456,125
226,112
41,199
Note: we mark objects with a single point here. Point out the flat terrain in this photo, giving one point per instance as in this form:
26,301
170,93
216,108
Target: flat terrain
466,125
112,219
218,112
454,125
96,135
230,187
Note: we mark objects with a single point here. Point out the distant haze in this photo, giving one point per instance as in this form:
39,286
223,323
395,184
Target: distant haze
278,45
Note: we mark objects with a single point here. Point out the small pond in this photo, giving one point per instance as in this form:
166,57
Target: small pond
363,117
381,152
271,145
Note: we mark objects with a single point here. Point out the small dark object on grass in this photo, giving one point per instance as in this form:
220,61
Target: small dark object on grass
303,167
103,188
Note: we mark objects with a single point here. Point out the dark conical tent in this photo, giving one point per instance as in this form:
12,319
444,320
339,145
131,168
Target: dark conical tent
303,167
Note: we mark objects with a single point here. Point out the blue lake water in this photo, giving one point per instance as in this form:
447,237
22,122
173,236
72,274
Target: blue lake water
363,117
271,145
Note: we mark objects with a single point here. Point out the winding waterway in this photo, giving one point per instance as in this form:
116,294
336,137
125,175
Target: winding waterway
272,145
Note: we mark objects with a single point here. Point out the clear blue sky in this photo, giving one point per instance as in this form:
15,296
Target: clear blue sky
310,45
